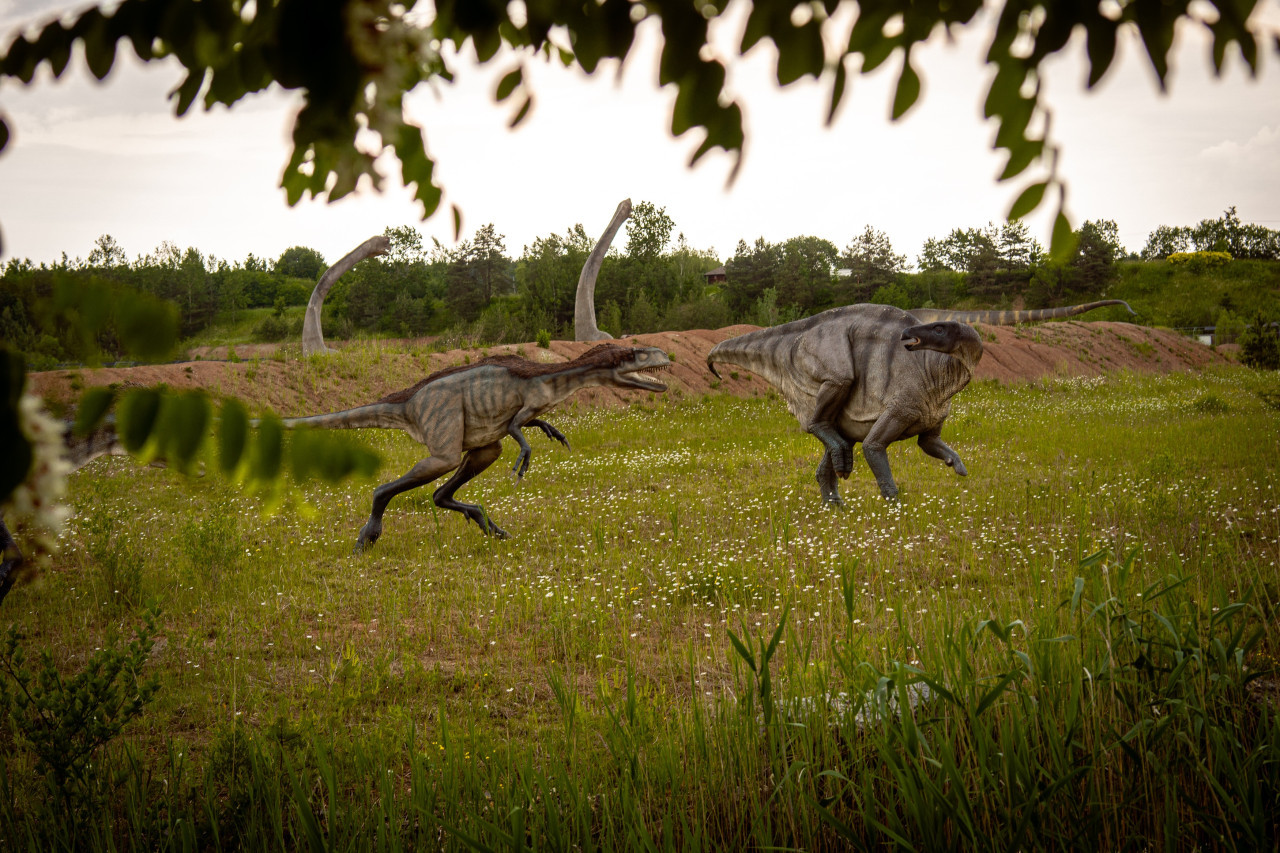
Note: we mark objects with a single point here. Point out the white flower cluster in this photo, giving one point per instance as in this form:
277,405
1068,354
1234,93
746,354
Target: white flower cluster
36,504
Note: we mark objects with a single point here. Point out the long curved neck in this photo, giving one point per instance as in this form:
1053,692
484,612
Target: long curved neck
1013,318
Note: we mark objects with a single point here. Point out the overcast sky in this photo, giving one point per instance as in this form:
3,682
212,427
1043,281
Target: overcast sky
89,158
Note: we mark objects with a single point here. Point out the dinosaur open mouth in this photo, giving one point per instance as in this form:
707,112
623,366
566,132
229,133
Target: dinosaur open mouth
911,343
641,379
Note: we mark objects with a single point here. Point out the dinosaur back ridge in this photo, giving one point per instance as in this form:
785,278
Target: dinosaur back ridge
604,355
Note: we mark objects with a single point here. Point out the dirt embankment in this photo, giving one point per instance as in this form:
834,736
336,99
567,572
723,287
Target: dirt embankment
270,377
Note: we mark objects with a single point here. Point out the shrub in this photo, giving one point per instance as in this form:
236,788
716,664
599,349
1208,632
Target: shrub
544,338
1260,345
1200,261
64,720
272,329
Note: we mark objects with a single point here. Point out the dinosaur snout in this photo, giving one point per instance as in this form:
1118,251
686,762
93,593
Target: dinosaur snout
910,340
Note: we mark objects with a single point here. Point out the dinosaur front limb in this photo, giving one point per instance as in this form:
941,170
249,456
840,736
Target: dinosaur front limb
473,463
514,429
526,452
424,472
822,426
551,431
933,445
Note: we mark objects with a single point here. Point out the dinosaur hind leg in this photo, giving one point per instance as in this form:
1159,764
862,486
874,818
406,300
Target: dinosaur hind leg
827,481
431,468
473,463
822,425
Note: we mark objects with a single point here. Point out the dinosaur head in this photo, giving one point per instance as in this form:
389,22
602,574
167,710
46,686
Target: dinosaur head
633,361
958,339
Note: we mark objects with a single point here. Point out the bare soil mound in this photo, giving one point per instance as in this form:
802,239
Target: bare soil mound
277,377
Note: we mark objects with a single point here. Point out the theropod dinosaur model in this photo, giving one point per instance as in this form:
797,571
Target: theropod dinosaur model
461,414
873,374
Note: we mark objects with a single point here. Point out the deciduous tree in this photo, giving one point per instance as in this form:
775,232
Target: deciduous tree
354,61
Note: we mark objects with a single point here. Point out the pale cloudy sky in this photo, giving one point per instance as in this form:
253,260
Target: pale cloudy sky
88,159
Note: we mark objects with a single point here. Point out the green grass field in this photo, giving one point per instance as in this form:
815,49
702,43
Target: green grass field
681,647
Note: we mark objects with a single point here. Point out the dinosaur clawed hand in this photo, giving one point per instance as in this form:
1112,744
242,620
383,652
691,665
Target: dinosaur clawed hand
553,433
955,463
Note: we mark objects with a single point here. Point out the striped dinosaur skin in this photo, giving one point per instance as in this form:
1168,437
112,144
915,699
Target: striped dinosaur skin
873,374
462,413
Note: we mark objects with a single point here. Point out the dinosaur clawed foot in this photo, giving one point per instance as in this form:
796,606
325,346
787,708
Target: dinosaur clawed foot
958,466
488,527
368,535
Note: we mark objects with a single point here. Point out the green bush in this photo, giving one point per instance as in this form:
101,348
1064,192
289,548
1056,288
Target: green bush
1260,345
65,720
1200,261
272,329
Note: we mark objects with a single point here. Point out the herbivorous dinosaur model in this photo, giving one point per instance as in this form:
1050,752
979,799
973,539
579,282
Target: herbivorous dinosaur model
873,374
461,414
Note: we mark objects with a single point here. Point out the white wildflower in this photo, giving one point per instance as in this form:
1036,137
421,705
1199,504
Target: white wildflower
36,504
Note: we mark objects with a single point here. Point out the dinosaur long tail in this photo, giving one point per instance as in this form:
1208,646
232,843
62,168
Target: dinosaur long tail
372,416
1012,318
760,352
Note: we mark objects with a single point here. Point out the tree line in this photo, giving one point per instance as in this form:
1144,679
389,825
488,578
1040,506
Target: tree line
480,291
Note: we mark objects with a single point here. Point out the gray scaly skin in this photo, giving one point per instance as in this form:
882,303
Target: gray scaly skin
462,414
1013,318
873,374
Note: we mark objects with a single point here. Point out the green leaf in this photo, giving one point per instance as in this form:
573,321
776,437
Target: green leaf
908,89
457,223
777,634
1101,46
800,52
508,84
93,408
522,113
995,692
268,451
185,425
331,457
1021,155
187,91
743,651
99,43
136,418
54,45
233,436
148,326
1063,243
1028,201
837,91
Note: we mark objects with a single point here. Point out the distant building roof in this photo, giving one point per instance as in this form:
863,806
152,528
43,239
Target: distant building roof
718,271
